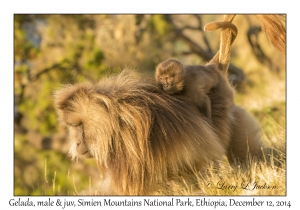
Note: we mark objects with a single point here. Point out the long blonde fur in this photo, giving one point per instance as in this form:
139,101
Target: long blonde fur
137,133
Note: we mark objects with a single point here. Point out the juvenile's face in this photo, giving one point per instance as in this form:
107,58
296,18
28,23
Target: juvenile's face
166,81
170,78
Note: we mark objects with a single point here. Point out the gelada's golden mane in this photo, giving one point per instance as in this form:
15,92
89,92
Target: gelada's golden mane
137,133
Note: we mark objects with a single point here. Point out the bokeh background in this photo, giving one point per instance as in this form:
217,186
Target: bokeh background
51,50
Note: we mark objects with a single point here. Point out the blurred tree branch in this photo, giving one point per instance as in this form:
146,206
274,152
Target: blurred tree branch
64,65
141,26
252,36
236,75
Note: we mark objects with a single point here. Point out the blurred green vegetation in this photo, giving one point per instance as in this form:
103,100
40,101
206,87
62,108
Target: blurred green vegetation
51,50
46,172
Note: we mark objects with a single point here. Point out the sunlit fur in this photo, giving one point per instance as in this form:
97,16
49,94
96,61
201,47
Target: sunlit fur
274,28
138,134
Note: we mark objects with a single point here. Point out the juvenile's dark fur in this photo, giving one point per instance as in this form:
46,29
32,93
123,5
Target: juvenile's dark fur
137,133
189,81
245,139
237,129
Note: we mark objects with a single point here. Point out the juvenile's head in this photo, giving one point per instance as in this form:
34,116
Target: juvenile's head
169,76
